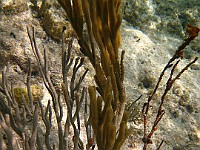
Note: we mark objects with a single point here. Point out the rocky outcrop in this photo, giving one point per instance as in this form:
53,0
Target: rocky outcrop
169,17
144,61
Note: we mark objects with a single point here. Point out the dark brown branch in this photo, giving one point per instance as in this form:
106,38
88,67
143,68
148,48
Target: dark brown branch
161,143
170,82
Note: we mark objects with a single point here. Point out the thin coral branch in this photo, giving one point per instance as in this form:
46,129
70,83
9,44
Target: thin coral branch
178,55
2,142
39,142
13,104
49,85
88,127
4,85
69,111
71,95
60,106
160,145
26,106
77,86
122,66
12,145
33,138
28,85
64,71
47,117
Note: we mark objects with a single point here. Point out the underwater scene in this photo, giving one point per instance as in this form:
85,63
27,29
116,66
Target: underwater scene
100,74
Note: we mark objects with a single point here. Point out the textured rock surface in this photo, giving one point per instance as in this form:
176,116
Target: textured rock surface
53,19
144,61
11,7
169,17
